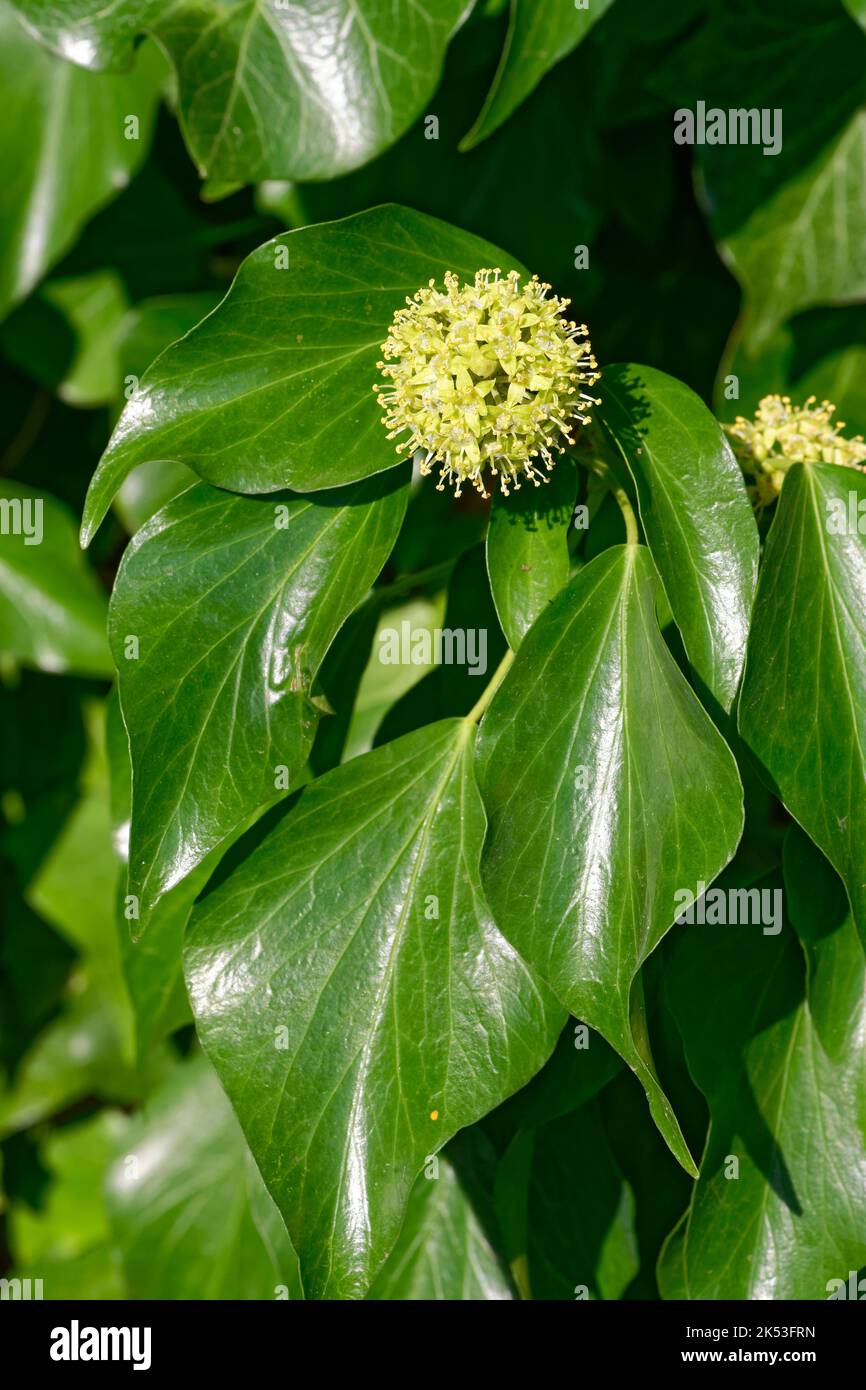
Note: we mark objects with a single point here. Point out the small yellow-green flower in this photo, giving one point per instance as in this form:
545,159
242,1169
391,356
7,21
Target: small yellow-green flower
485,375
782,434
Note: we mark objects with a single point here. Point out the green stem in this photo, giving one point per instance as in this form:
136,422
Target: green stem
490,689
405,582
631,531
632,534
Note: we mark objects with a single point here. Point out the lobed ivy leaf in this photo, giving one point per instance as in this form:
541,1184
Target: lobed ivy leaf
52,609
804,691
608,790
779,1058
527,549
695,513
273,91
540,34
63,152
187,1205
353,956
274,389
223,609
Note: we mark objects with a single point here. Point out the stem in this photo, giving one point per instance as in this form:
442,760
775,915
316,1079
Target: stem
631,531
632,534
490,689
405,582
28,432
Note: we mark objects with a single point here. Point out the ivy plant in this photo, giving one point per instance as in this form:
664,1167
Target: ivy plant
443,873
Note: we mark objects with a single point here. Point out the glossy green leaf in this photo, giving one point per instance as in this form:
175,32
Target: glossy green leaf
445,1251
779,53
353,954
222,612
148,330
527,551
64,151
52,610
804,245
275,388
187,1205
273,91
695,513
153,964
779,1211
540,34
803,705
608,790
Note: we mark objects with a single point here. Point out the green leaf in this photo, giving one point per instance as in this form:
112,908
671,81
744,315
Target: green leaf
780,1061
148,330
91,1276
64,151
804,245
72,1219
187,1205
540,34
52,610
81,1053
275,388
234,602
94,306
695,513
452,687
34,966
780,54
608,790
87,1049
581,1064
153,964
269,91
660,1188
444,1251
527,551
804,692
580,1213
353,955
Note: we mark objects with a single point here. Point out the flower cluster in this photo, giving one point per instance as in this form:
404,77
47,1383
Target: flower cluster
487,375
782,434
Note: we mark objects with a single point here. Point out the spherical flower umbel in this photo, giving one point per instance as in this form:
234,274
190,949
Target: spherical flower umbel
782,434
485,375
